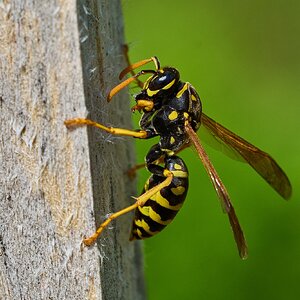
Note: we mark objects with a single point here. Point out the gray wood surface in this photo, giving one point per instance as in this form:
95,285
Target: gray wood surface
58,59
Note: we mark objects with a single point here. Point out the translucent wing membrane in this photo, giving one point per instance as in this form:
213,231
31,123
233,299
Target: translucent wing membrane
221,192
207,137
260,161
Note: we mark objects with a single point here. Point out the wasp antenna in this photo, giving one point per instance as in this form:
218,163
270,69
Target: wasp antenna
156,62
139,64
133,67
119,87
126,82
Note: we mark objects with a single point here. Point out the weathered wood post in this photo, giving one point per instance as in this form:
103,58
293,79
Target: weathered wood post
58,59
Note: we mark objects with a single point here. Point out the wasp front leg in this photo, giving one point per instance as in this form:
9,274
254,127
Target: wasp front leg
146,105
141,134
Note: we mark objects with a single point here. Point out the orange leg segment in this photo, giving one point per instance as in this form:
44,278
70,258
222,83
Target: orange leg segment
140,201
113,130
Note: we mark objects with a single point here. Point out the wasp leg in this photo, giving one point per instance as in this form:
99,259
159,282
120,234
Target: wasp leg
131,173
140,201
143,104
126,51
141,134
154,157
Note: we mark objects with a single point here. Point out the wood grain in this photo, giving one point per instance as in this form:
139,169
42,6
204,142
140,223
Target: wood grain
58,59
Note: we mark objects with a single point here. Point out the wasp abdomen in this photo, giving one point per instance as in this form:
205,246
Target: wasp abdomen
162,207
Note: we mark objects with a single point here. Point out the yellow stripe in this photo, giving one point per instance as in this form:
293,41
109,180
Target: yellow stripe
181,174
184,88
156,217
169,85
145,226
139,233
158,198
179,190
144,210
177,166
148,211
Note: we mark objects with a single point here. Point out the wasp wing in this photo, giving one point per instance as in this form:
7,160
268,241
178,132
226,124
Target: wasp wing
259,160
208,138
221,192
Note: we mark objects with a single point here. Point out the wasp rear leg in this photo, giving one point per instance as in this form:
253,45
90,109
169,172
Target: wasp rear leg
141,134
140,201
131,173
155,156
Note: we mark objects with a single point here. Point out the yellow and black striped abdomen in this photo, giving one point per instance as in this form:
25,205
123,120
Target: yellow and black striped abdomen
162,207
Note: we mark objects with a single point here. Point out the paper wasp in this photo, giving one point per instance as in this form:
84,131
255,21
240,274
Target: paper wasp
172,110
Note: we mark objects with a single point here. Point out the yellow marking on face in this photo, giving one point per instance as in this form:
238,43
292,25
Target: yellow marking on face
172,140
148,211
158,198
152,93
184,88
177,166
179,190
173,115
186,115
146,84
180,174
169,85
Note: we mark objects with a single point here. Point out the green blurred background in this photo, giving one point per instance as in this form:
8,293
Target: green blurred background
243,59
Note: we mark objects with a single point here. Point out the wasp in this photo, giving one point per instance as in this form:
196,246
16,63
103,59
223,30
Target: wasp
172,110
